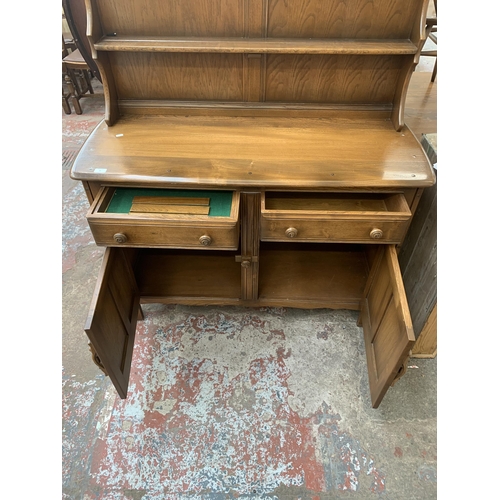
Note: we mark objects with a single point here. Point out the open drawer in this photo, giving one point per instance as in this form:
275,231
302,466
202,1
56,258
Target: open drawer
165,218
334,217
130,276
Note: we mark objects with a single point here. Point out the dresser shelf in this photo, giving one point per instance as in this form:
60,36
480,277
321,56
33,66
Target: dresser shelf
256,45
255,152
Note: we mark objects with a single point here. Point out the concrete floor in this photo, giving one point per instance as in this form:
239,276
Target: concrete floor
232,402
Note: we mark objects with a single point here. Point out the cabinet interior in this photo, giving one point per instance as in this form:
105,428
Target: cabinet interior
333,202
297,275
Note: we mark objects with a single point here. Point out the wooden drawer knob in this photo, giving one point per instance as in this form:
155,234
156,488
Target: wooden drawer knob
120,238
376,234
291,232
205,240
245,264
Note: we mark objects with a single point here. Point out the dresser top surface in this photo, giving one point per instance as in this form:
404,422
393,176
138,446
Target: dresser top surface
347,151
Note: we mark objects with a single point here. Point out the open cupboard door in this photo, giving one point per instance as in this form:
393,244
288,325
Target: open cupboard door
113,317
386,322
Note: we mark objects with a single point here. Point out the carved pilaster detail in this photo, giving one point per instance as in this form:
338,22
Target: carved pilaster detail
97,360
402,370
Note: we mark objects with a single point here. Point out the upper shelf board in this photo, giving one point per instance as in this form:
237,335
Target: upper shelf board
256,45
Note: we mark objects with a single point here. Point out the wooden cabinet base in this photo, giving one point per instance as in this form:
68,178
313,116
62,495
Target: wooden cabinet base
426,344
295,111
335,276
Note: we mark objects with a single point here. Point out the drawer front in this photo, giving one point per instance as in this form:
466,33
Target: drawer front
334,217
165,236
125,227
334,231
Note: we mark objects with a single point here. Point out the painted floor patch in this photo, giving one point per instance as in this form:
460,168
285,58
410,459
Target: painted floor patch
208,413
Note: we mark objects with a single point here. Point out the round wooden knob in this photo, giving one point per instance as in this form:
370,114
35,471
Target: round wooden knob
246,264
120,238
291,232
376,234
205,240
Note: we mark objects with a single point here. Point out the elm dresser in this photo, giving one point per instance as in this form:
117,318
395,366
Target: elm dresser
253,153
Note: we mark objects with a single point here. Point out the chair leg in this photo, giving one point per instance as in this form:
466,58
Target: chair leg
79,83
434,71
65,104
87,79
73,95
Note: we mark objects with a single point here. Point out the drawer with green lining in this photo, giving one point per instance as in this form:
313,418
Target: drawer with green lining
165,218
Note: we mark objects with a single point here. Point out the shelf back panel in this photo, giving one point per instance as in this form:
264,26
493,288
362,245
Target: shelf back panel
173,17
148,75
342,18
331,79
328,79
272,18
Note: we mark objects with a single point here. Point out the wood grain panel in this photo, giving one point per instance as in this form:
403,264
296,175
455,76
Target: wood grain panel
255,17
178,76
252,76
342,18
426,344
388,340
113,316
377,300
348,151
165,236
332,230
331,275
332,79
171,17
255,45
418,260
188,274
250,245
386,322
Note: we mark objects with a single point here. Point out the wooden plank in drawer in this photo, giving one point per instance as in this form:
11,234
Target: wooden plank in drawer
120,199
157,200
150,208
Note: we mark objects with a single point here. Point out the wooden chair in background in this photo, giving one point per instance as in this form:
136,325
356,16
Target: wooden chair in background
431,31
76,78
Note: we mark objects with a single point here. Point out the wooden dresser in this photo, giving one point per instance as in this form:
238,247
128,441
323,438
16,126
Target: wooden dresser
253,153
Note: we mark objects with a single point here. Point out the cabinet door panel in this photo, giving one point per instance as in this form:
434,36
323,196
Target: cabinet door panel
113,316
386,322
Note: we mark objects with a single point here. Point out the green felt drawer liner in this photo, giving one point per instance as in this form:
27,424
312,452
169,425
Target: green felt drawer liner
220,201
